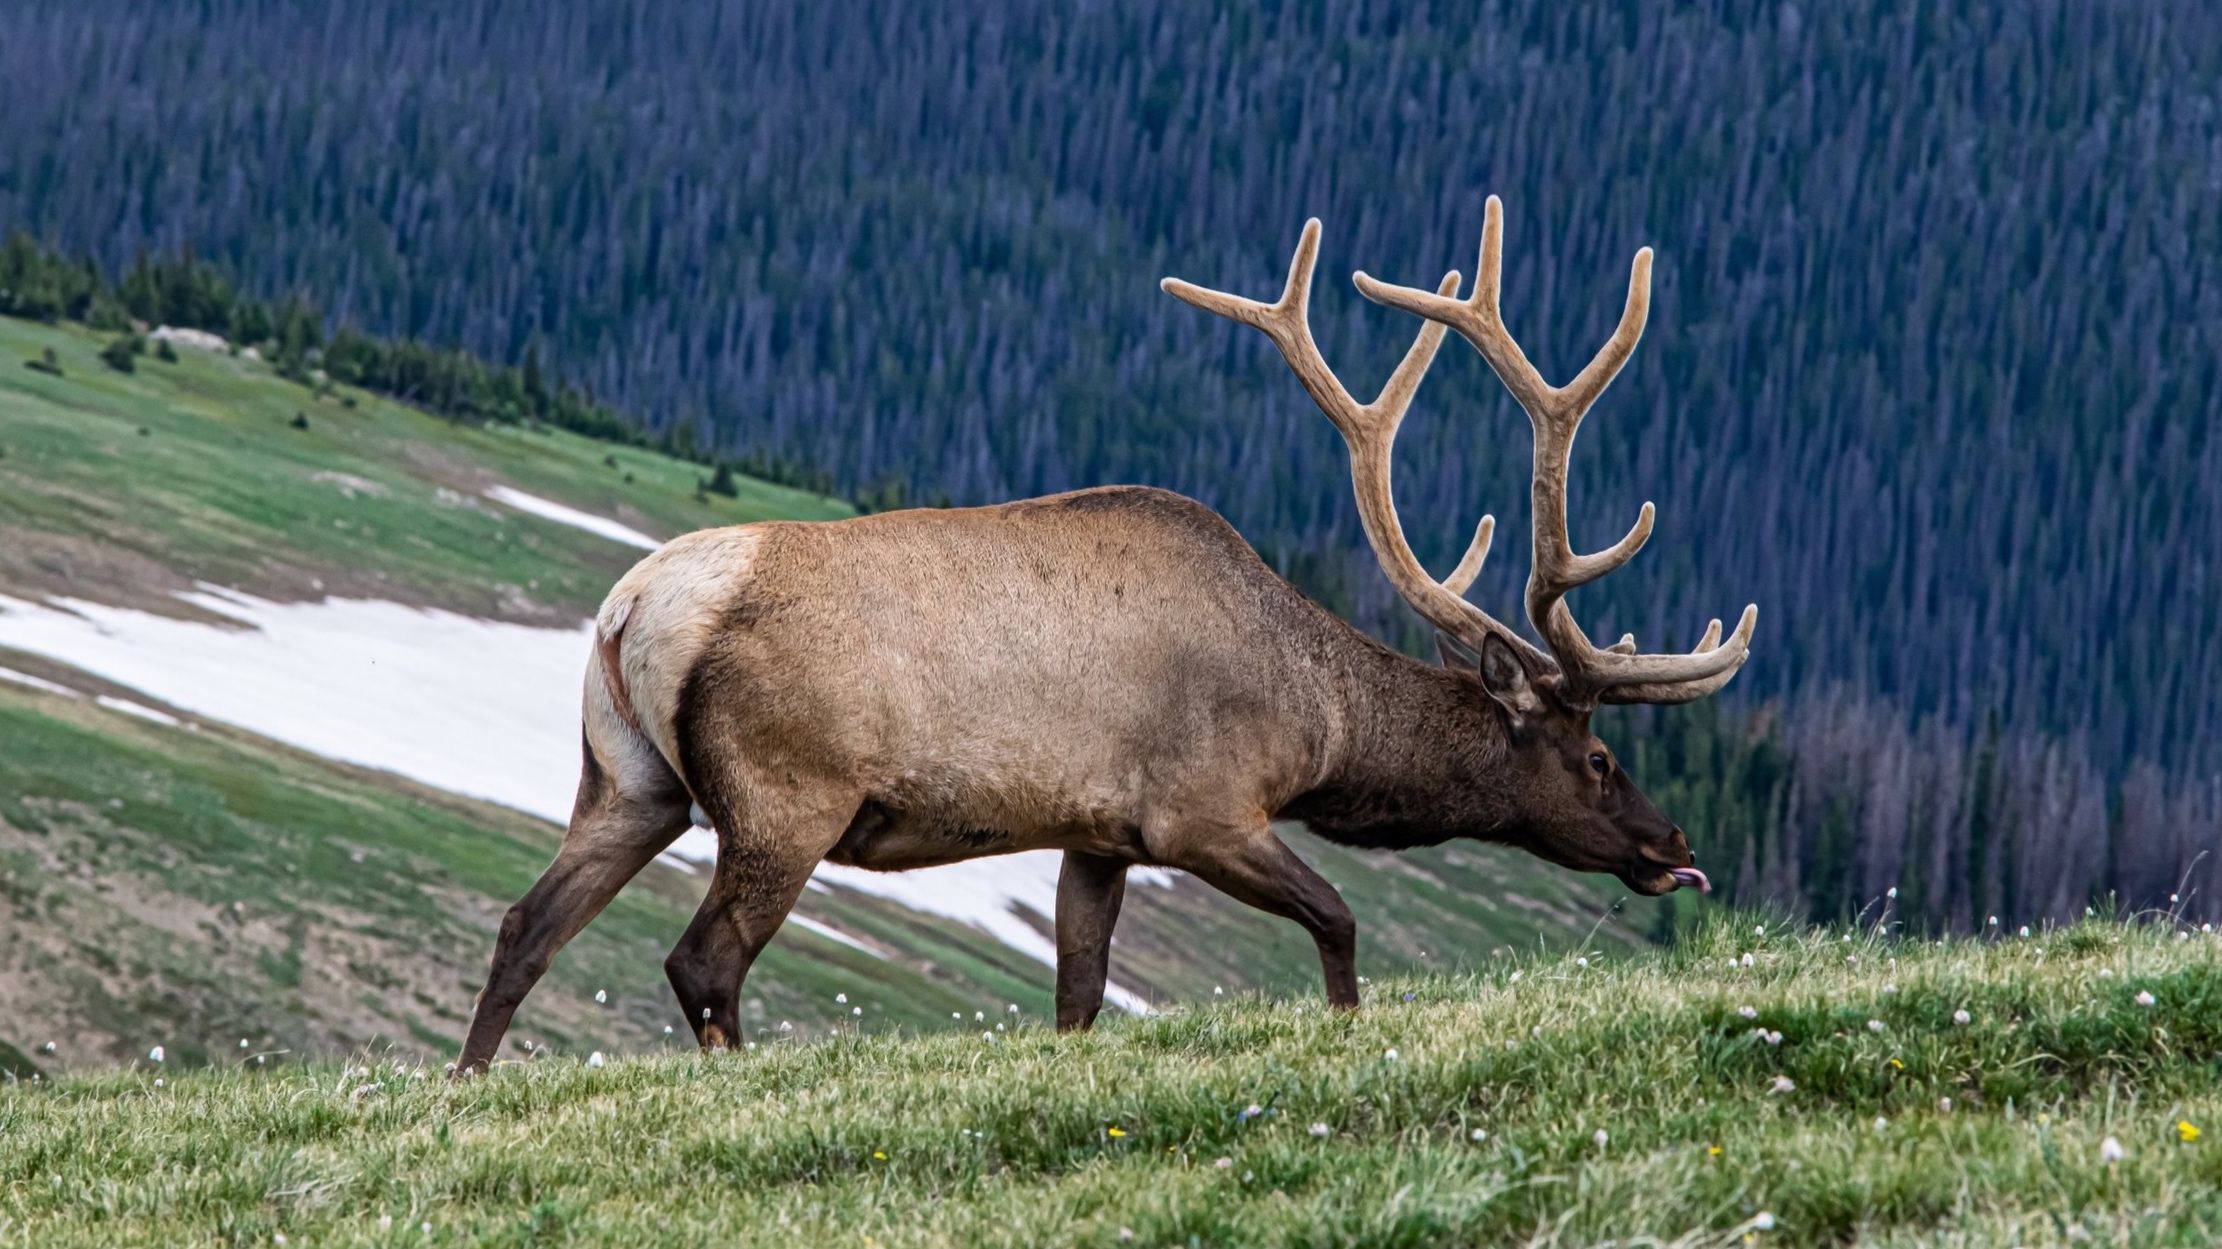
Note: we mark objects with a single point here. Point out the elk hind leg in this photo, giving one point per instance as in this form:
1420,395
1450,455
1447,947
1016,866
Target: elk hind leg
769,840
617,826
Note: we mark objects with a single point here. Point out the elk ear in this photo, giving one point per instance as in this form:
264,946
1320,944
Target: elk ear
1506,680
1455,657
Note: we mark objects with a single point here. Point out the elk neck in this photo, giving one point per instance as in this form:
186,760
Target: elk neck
1424,760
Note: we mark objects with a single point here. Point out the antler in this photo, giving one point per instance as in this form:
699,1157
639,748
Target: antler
1616,674
1369,430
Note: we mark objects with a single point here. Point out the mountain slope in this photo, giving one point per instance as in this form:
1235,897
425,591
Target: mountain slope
303,635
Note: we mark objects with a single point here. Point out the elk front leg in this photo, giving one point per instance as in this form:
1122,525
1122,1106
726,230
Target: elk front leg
1089,890
1251,865
765,857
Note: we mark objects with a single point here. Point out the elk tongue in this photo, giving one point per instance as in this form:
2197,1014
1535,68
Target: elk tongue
1690,878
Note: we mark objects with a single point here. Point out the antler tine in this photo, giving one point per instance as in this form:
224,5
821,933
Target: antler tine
1616,673
1469,564
1369,432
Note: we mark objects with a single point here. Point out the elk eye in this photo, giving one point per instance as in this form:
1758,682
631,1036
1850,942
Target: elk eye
1600,763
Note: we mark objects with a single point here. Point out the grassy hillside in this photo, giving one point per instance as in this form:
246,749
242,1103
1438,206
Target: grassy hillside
1559,1101
124,486
192,884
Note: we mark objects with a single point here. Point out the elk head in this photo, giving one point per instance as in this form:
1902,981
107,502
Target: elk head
1576,807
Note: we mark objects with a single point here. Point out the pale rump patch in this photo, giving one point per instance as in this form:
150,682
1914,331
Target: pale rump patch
658,619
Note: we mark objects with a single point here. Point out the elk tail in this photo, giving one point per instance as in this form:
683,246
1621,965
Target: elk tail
609,642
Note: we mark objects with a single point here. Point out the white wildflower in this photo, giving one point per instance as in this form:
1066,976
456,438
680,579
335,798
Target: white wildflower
1581,962
601,997
47,1048
979,1016
1891,892
1784,1084
1478,1135
2106,973
1890,988
595,1059
989,1037
1881,1123
2144,998
1600,1137
856,1010
1013,1009
1874,1025
1321,1130
1994,921
1773,1038
1748,1012
2110,1150
385,1222
1962,1018
842,998
1218,990
2025,930
1944,1104
154,1055
1222,1163
1763,1222
1390,1054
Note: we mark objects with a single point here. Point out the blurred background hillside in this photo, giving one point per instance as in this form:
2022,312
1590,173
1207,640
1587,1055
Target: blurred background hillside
1933,373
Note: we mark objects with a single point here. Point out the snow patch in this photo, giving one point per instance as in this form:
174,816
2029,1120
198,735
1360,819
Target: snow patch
830,933
140,710
37,683
549,509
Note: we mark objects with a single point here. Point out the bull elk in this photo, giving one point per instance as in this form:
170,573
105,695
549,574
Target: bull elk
1112,673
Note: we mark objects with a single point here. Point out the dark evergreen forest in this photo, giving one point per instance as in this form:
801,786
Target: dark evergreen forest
1932,372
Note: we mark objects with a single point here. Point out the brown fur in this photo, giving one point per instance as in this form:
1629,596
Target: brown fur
1112,673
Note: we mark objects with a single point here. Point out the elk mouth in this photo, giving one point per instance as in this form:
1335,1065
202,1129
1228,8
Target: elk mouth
1652,880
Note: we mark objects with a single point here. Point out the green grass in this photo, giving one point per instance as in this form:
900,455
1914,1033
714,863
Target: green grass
943,1138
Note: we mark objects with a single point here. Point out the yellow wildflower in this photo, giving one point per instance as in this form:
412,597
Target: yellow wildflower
1114,1133
2187,1130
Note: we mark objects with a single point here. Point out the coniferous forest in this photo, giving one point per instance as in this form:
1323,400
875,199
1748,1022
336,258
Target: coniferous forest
1933,373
